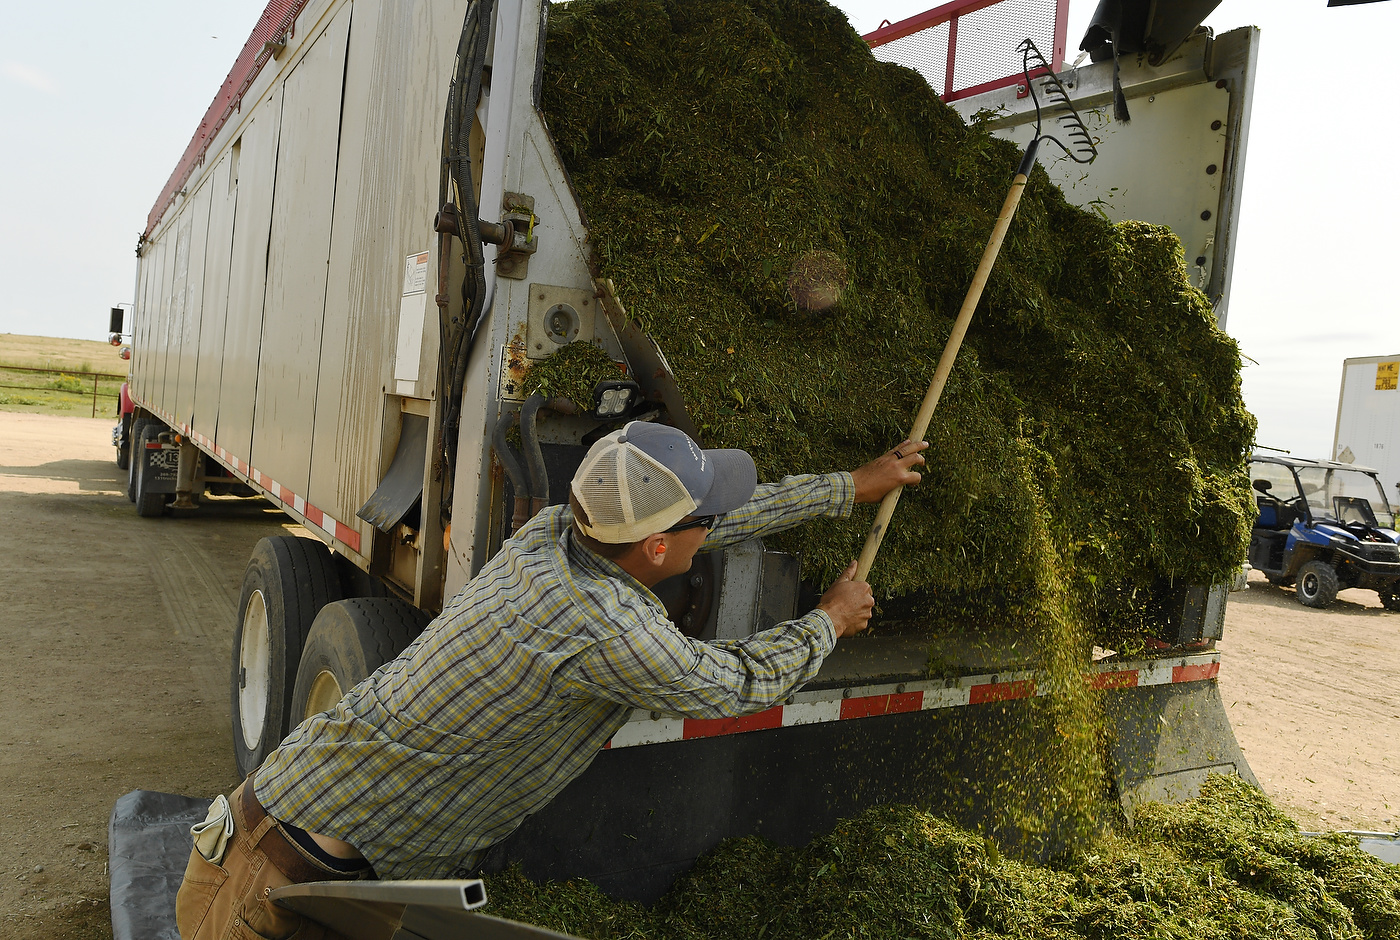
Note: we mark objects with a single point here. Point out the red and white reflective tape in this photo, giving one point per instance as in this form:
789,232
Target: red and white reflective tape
290,502
808,708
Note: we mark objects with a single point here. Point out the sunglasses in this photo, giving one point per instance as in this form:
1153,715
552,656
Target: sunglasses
706,522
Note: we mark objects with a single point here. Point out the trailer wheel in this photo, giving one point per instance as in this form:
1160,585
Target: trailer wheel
147,504
133,441
349,641
287,582
1390,600
1317,584
124,443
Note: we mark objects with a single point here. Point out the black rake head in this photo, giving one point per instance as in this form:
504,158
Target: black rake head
1077,143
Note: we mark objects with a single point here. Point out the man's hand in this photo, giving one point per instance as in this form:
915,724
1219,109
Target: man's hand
848,603
890,469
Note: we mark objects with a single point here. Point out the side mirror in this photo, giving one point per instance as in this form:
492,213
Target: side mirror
116,326
1263,486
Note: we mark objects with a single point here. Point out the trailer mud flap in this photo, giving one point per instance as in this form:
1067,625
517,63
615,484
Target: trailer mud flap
1166,738
402,486
160,473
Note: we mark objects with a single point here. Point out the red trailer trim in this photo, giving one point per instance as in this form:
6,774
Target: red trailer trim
276,22
288,501
805,708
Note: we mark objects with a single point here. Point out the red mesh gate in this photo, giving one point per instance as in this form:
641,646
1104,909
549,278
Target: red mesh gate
967,47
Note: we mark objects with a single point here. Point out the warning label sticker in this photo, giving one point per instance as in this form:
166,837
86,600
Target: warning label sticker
1386,374
415,273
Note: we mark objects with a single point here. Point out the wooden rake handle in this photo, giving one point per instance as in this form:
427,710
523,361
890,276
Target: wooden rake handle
945,366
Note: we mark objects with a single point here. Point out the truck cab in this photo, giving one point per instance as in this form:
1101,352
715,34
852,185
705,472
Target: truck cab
1322,527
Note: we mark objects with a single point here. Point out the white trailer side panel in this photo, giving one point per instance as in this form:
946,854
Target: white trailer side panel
141,323
1368,419
248,275
223,195
169,266
400,95
298,257
185,361
348,396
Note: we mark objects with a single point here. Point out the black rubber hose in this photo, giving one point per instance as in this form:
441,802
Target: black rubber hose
534,454
506,454
471,60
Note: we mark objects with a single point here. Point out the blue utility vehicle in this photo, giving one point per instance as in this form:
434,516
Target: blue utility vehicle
1324,526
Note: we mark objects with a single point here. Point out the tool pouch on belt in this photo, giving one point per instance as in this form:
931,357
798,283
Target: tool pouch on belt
211,836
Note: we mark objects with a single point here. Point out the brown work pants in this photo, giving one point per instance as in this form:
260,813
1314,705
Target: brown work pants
230,901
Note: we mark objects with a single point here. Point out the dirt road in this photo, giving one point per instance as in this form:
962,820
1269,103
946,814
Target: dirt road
117,632
1314,698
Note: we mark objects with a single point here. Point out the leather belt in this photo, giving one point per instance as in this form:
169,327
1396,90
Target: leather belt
280,851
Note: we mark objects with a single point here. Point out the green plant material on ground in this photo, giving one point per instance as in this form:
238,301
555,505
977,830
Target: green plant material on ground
1091,438
1225,865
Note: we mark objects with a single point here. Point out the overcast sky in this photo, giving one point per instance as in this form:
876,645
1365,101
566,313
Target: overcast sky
99,99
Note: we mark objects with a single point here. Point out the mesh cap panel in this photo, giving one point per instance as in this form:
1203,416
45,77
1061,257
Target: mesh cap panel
627,494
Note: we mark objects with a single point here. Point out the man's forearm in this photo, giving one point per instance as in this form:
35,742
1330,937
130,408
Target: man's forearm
779,506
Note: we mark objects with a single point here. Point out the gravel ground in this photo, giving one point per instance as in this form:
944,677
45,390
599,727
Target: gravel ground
117,633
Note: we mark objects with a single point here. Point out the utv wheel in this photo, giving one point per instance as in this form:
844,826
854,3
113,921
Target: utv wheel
348,642
1390,600
1317,584
288,581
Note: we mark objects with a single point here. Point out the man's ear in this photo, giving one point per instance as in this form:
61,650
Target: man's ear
654,549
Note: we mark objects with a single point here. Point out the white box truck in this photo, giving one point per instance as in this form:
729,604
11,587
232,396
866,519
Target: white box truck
336,294
1368,419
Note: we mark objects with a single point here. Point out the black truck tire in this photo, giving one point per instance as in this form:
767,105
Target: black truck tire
133,441
348,642
147,504
287,582
1317,584
1390,598
124,443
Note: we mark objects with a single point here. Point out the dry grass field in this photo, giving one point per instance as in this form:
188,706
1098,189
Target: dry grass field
63,391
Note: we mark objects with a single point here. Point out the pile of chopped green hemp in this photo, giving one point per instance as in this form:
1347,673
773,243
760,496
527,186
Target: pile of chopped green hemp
1226,865
796,223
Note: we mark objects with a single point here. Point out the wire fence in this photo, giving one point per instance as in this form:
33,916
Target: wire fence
63,383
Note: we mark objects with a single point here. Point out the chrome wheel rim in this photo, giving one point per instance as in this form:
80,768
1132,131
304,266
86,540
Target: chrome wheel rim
254,670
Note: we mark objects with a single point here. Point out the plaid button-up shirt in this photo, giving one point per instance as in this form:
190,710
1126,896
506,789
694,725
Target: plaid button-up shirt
510,693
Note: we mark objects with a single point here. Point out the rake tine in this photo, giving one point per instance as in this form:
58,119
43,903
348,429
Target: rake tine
1081,147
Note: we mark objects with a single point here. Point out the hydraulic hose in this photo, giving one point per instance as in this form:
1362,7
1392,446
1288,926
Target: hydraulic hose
534,454
457,340
511,463
530,439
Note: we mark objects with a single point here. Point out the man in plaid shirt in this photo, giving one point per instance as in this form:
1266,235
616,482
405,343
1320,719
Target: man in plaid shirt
510,693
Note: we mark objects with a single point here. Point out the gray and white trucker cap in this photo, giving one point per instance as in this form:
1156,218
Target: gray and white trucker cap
646,477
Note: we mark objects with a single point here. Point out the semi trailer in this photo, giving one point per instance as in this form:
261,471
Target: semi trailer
1368,420
339,290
